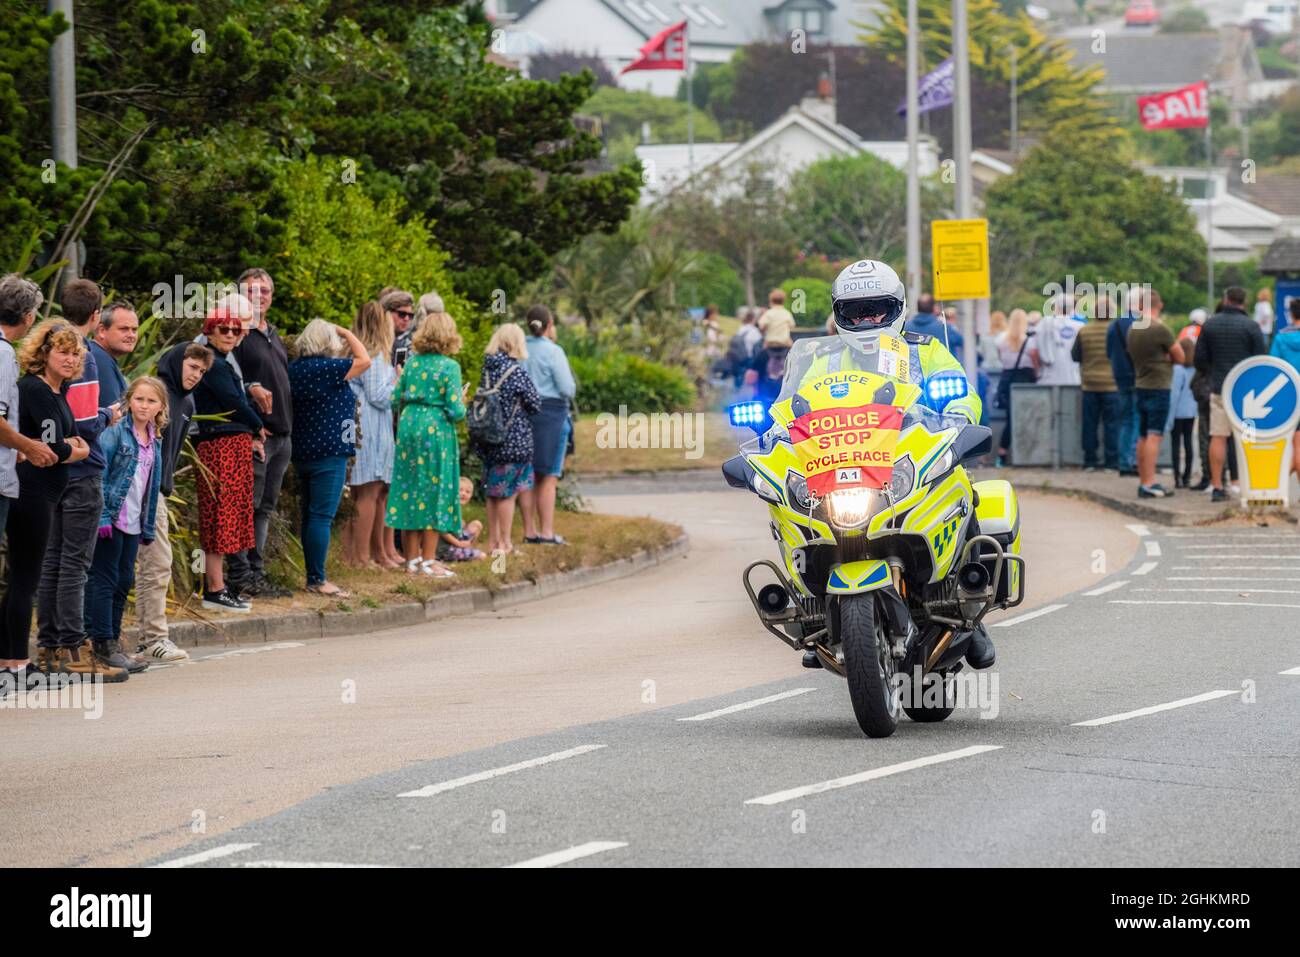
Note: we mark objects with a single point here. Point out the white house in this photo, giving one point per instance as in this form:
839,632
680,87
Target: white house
799,137
1240,228
615,29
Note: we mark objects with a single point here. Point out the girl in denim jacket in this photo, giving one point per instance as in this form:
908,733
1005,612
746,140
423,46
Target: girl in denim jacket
132,474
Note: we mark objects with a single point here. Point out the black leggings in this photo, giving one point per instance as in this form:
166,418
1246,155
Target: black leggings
29,523
1182,437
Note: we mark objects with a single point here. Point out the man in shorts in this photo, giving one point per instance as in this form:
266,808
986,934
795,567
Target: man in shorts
1228,337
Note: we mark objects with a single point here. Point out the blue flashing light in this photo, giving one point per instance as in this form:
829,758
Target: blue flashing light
747,414
944,388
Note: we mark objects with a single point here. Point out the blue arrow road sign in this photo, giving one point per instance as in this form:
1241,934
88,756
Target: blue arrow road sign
1263,393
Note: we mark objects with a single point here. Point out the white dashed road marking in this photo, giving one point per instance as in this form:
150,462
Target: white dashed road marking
572,854
225,850
836,783
1290,671
1141,531
1106,588
746,705
1036,613
1145,568
1153,548
429,790
1143,712
1191,601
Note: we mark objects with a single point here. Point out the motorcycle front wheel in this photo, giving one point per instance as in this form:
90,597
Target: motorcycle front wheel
868,665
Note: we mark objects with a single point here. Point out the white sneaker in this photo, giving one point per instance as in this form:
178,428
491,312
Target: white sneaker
164,649
1234,489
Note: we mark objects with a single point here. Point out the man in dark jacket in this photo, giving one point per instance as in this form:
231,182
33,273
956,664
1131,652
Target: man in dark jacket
1126,398
264,362
1228,337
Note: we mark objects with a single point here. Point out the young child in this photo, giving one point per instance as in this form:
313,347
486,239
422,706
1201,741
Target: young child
132,475
453,549
1182,416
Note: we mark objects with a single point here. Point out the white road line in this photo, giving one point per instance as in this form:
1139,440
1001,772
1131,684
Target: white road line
1219,558
1141,531
1290,671
1201,548
253,650
572,854
1234,568
1240,590
1145,568
836,783
1226,578
429,790
746,705
1143,712
1191,601
1036,613
225,850
1105,588
304,864
1153,548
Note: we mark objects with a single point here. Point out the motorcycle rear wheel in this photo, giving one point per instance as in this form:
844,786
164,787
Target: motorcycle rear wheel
868,666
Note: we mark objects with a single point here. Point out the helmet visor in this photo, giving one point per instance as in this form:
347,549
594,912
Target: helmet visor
857,315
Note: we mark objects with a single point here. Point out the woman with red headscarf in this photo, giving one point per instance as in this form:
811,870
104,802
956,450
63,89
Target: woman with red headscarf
225,450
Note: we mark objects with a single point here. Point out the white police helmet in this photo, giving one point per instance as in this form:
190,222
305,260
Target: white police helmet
868,299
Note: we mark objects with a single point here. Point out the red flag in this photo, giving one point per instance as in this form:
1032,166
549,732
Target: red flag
1177,109
666,50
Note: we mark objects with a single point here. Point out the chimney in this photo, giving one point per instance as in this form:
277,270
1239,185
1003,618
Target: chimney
822,106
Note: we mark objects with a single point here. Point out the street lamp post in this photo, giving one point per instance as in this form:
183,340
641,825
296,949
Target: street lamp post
63,109
913,176
961,154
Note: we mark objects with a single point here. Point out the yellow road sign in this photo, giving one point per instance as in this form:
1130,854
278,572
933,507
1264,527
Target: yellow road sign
960,253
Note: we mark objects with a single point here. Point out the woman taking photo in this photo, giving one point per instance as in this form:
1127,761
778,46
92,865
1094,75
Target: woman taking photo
508,465
424,500
324,435
49,357
548,368
225,450
372,472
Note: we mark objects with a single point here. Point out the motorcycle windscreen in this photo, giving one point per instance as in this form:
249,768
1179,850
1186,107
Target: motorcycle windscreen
847,411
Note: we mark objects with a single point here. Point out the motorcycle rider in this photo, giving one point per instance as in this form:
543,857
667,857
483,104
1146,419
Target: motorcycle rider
869,305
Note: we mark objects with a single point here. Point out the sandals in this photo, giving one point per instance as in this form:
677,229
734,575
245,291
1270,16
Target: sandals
539,540
336,593
427,566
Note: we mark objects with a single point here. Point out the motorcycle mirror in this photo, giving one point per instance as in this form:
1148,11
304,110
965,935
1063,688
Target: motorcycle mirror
737,472
972,442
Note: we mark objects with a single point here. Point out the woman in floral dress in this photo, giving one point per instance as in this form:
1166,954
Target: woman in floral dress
424,500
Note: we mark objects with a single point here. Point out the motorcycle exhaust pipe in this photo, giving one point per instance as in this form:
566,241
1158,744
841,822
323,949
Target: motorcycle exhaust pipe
773,599
974,577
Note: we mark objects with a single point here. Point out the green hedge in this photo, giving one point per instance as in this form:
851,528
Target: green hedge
616,379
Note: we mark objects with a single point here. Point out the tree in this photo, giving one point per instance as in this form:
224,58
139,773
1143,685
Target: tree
1076,208
624,112
854,207
742,216
1185,20
553,64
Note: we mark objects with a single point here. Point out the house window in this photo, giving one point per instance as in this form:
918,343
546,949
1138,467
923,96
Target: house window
1197,187
810,21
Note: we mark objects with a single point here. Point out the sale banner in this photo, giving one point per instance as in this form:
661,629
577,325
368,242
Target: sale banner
1183,108
847,448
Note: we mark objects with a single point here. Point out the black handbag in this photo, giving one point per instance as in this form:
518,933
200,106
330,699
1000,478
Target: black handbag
1013,375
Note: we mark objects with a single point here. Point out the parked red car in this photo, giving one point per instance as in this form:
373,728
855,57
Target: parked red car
1141,13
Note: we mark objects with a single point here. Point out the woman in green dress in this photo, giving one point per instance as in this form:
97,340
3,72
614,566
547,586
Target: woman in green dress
425,497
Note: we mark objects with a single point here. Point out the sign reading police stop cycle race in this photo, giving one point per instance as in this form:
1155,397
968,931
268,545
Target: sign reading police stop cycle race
847,448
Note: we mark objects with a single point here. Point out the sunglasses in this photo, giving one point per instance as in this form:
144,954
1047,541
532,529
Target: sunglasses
406,313
229,330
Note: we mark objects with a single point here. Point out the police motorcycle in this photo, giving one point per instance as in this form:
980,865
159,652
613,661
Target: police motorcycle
890,556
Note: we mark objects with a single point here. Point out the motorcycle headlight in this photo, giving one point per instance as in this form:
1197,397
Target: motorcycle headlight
944,464
850,507
796,491
903,481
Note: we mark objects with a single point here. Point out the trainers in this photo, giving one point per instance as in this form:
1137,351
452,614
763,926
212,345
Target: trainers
164,649
1218,495
1150,491
266,588
1159,487
224,601
1200,486
110,653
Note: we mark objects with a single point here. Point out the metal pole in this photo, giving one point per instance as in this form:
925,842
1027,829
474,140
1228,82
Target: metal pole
1015,119
1209,200
962,151
913,157
690,107
63,109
